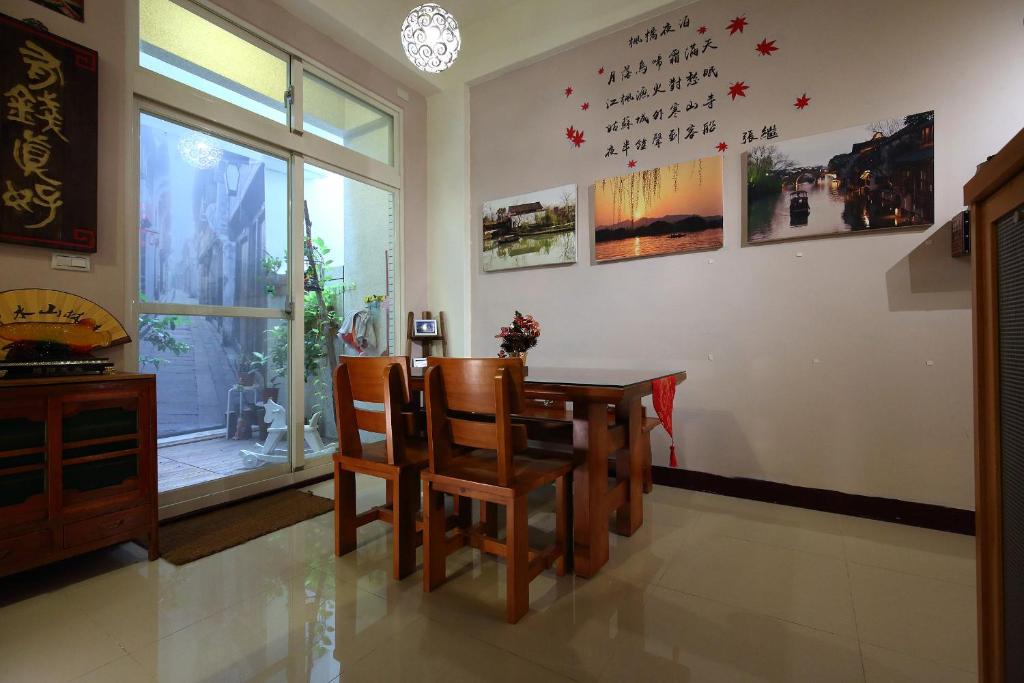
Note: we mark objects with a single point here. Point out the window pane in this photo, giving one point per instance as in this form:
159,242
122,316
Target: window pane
350,280
213,220
192,50
335,115
221,382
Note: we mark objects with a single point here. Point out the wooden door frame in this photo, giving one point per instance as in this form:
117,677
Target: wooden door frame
996,190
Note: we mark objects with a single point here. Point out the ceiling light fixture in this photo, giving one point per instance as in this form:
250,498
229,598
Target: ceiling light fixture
430,37
199,150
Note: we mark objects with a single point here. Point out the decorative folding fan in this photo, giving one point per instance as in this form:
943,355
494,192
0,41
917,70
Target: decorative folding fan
54,318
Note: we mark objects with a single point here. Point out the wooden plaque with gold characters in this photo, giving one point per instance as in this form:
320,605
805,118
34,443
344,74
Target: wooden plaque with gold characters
48,129
47,331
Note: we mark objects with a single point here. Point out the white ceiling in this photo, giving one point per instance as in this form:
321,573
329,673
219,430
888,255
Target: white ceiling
371,29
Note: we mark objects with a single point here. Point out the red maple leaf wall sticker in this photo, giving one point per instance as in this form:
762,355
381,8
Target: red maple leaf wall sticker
702,30
568,91
574,136
802,101
721,146
738,89
632,163
600,72
766,47
585,106
737,25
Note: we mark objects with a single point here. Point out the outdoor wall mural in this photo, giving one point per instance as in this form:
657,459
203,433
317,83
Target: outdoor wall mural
865,178
533,229
48,139
674,209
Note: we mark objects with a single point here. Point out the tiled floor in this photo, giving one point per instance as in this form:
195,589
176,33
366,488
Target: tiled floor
710,589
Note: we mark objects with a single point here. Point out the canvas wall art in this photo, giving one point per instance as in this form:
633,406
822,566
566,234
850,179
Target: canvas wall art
533,229
867,178
74,9
669,210
48,139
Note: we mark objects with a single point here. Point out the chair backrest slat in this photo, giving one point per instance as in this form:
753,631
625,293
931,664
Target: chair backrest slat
491,390
384,380
371,420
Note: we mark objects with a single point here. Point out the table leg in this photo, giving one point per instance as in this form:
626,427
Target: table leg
590,487
630,516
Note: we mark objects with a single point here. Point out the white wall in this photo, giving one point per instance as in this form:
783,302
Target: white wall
871,416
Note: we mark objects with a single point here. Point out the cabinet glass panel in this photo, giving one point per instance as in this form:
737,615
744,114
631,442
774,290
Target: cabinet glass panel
22,460
100,423
100,474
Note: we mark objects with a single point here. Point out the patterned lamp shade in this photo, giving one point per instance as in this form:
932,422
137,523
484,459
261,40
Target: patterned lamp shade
430,37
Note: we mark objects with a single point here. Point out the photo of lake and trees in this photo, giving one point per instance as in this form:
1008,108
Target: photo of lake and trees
533,229
856,180
674,209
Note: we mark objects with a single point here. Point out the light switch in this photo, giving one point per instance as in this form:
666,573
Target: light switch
70,262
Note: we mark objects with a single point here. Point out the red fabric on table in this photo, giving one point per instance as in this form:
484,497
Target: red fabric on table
664,394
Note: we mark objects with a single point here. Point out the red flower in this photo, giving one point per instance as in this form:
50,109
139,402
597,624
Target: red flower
568,91
738,89
737,24
632,163
721,146
766,47
802,101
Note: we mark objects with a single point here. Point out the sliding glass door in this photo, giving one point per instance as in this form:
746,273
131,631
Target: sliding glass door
269,194
349,282
213,293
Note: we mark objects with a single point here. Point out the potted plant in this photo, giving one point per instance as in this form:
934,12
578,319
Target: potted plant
518,337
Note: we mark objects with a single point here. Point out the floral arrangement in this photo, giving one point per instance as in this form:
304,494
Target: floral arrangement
519,336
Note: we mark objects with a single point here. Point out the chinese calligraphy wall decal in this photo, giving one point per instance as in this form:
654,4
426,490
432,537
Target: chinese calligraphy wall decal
669,210
74,9
860,179
48,138
533,229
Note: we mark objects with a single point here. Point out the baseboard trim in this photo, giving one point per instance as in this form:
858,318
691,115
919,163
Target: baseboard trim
883,509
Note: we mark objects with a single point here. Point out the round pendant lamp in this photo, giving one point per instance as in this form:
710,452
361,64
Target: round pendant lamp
430,38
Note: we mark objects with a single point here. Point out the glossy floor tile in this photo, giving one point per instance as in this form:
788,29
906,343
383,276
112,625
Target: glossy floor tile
709,589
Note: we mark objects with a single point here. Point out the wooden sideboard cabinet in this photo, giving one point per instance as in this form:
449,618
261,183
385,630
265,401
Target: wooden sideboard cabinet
77,466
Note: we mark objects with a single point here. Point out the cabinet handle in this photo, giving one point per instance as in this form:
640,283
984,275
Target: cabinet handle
114,524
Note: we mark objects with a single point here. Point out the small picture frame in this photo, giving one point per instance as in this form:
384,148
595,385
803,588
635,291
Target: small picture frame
424,328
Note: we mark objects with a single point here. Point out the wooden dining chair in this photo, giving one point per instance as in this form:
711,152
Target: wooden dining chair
398,458
470,402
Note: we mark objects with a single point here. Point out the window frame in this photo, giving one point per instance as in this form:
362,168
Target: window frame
158,95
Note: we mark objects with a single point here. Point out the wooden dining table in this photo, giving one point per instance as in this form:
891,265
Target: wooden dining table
595,437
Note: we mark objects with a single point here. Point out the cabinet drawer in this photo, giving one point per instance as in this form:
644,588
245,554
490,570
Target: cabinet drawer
24,550
114,524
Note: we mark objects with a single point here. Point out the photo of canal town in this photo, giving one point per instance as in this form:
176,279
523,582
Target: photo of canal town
860,179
